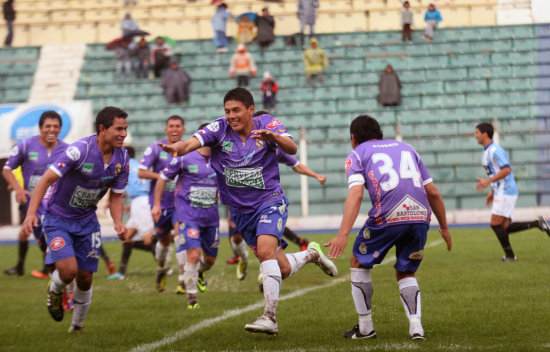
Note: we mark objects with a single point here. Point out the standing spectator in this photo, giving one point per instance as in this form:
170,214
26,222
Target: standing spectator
307,14
160,56
265,24
219,22
124,60
269,88
242,65
142,53
389,88
9,16
315,60
407,21
432,19
128,24
175,84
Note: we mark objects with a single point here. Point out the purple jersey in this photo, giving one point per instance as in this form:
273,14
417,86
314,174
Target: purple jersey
85,179
394,176
34,159
157,159
197,189
287,159
248,172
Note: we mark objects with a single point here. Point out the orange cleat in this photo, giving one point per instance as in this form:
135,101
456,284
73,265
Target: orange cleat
39,274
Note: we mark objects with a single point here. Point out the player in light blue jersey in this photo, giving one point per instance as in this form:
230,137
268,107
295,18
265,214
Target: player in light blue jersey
504,191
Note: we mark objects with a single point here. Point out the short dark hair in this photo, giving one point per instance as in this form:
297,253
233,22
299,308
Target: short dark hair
365,128
131,151
223,4
49,114
239,94
261,112
175,117
486,127
107,115
203,125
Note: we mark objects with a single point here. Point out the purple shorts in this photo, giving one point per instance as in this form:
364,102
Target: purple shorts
67,238
193,236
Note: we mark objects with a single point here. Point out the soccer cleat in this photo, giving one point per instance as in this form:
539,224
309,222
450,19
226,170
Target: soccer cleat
356,334
111,267
16,270
202,283
416,332
68,302
40,274
76,329
161,281
509,259
242,270
192,306
116,276
323,262
263,324
55,304
261,282
233,260
180,290
303,244
543,225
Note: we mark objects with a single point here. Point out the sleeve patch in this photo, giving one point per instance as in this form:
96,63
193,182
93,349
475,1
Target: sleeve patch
274,123
348,164
73,153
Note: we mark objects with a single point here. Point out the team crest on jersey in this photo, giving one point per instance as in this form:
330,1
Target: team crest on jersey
14,151
227,146
259,144
366,233
57,243
33,156
274,123
348,164
214,126
363,248
408,209
417,255
73,153
193,233
118,169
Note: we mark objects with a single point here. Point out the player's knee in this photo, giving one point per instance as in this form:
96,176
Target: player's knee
209,260
237,239
68,274
285,270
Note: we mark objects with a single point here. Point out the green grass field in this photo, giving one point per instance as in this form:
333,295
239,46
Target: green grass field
470,301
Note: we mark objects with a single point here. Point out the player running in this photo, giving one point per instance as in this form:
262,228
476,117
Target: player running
197,215
151,165
34,155
504,192
402,192
244,156
82,176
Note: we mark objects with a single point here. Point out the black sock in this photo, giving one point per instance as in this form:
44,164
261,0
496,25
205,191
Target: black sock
104,254
502,236
43,247
23,248
520,226
289,234
142,246
126,252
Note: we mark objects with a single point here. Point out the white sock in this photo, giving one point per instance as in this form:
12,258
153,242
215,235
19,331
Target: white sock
410,297
190,277
57,285
272,285
361,291
203,265
82,300
240,249
160,254
69,289
299,259
181,257
168,258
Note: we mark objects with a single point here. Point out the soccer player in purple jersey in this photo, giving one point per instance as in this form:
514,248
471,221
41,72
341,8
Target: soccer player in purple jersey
197,216
34,155
245,160
403,196
151,165
75,182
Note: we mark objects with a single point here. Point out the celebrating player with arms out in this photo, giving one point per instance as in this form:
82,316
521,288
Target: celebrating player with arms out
34,155
82,176
401,192
244,156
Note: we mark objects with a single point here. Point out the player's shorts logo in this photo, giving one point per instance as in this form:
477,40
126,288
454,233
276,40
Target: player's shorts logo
193,233
363,248
57,243
417,255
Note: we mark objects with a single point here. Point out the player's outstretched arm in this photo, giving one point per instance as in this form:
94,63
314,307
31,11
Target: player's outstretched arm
351,210
117,208
181,147
46,181
438,207
285,143
159,189
304,170
20,193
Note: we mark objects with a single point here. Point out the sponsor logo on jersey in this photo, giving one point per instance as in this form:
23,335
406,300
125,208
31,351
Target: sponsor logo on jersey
57,243
274,123
408,209
163,155
363,248
87,168
193,169
417,255
214,126
33,156
244,177
227,146
73,153
348,164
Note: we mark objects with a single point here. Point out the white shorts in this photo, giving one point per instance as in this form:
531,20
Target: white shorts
504,205
140,217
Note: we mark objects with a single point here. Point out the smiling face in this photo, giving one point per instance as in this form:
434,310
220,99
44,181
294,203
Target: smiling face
114,135
174,130
239,117
50,130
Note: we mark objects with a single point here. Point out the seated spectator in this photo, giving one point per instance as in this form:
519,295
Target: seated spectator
432,19
242,66
142,54
265,24
315,60
389,88
269,88
124,60
160,56
175,84
407,21
128,24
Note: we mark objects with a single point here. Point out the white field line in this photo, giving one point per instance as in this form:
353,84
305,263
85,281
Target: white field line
178,335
